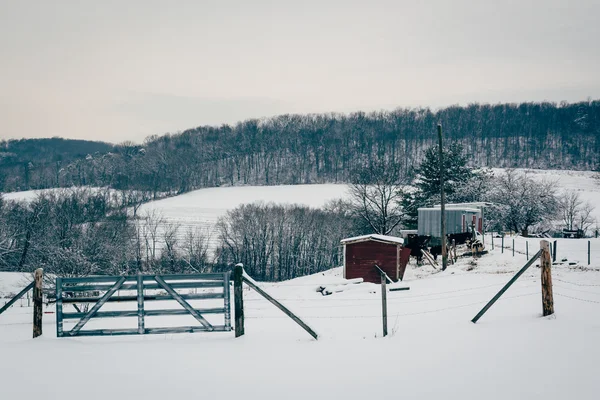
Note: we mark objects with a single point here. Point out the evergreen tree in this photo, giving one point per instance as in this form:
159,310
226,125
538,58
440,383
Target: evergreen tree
456,171
458,176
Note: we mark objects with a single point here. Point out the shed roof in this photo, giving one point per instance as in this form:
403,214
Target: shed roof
375,238
453,208
478,204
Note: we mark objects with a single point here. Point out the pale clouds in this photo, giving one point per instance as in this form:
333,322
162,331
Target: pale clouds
117,70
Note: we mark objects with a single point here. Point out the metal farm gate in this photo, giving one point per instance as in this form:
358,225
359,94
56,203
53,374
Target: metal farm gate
143,289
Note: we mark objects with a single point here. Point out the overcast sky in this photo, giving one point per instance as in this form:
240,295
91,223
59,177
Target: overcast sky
123,70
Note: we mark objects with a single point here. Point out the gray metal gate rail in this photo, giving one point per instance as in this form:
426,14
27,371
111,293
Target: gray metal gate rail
90,289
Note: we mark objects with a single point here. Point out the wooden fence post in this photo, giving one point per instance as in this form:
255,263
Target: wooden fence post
527,250
589,244
140,303
59,307
546,267
502,244
238,299
554,252
513,247
384,304
38,311
492,241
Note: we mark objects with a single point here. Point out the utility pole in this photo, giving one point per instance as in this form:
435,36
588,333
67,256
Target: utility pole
443,201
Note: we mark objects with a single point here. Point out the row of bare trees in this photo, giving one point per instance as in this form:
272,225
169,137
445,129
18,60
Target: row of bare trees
79,232
279,242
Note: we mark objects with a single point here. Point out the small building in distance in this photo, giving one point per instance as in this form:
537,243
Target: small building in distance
362,253
458,220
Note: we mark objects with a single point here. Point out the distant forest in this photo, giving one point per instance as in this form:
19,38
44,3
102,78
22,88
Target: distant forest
314,148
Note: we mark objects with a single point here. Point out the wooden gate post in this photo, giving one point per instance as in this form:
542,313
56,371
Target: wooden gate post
238,299
546,267
38,311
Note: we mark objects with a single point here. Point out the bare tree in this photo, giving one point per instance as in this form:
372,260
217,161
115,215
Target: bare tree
525,202
570,204
575,213
376,195
195,249
585,218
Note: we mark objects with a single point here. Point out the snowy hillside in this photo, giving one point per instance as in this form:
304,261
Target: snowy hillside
202,208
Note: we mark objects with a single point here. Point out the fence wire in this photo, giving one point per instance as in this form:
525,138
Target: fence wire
577,298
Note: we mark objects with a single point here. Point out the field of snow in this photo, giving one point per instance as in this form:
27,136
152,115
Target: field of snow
11,283
202,208
433,350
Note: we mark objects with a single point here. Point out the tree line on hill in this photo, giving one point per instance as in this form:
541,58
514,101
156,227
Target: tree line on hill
315,148
83,231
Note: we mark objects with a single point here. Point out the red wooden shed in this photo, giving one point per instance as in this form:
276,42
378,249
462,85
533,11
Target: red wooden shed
362,253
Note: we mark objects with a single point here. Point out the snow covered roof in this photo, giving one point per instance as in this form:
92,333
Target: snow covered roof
452,208
471,204
374,237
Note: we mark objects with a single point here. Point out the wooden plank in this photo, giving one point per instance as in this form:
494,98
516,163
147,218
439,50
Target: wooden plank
429,258
546,267
505,288
183,303
147,297
189,329
148,286
160,331
398,247
59,307
397,289
226,299
140,304
238,299
382,273
181,277
38,308
95,279
17,297
250,282
147,313
96,307
109,279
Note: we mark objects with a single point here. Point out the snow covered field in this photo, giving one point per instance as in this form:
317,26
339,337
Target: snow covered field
433,350
202,208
